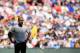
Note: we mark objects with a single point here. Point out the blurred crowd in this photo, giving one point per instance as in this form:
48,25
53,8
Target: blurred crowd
52,23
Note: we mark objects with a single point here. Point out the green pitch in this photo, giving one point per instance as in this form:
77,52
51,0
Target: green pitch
38,50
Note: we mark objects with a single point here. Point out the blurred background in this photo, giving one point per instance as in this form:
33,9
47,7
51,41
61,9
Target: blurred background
52,23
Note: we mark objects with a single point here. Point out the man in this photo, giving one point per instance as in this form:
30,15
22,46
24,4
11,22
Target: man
19,35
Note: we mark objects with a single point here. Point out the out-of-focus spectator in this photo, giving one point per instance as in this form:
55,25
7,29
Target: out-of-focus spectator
45,19
77,44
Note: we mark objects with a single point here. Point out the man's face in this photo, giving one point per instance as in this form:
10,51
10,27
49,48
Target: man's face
20,22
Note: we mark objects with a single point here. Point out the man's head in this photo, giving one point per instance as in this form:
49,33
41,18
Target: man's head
20,21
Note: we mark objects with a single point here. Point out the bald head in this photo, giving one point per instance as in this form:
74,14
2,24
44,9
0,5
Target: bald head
20,21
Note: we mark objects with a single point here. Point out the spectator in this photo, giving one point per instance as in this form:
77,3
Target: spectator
45,19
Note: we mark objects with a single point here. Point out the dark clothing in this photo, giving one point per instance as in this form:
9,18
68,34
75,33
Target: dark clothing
20,47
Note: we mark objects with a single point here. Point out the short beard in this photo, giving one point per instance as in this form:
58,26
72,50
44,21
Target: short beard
20,24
